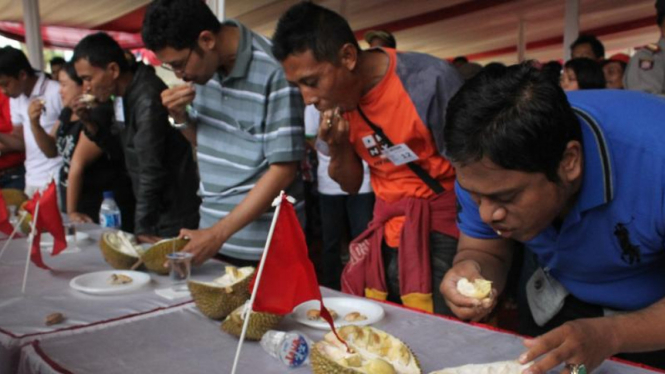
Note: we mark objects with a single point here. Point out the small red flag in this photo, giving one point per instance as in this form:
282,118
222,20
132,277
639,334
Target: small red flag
5,226
48,219
288,277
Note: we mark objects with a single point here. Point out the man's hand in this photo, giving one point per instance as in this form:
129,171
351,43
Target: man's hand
584,341
150,239
203,244
176,100
35,111
82,109
466,308
77,217
334,129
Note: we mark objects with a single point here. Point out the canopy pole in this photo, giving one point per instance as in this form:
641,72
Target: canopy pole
33,35
571,26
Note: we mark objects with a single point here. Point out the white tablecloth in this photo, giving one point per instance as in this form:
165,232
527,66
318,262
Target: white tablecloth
22,316
144,333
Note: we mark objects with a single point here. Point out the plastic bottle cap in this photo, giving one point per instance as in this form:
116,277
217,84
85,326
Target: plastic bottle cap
108,194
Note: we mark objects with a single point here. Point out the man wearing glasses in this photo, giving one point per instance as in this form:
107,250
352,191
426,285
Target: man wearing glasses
246,122
159,160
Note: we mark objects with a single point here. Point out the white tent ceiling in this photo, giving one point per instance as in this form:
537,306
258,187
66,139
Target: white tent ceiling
487,30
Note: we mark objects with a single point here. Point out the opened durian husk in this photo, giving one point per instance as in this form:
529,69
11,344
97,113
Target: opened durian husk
217,299
119,249
259,323
373,352
500,367
25,224
155,256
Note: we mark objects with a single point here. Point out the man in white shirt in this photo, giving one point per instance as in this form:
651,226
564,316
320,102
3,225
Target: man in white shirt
20,82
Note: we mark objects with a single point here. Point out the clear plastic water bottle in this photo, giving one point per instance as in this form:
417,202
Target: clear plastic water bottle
291,348
109,213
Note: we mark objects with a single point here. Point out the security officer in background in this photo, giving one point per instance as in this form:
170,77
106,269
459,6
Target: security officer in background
646,69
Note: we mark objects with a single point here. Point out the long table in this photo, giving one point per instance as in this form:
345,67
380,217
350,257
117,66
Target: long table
142,332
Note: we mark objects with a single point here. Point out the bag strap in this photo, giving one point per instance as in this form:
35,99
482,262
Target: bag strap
432,183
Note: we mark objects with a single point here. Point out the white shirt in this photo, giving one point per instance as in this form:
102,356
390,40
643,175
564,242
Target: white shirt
327,185
38,167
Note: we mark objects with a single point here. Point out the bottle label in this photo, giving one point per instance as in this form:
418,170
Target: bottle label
111,220
295,351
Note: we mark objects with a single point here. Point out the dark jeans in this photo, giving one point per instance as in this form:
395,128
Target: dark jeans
336,211
573,309
442,251
13,177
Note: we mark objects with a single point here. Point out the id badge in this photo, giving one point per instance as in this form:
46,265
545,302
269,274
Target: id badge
118,110
400,154
545,295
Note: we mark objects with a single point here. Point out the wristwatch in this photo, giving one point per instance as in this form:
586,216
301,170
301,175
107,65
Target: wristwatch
190,116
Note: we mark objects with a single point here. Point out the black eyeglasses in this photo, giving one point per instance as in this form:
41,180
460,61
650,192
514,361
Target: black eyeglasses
178,67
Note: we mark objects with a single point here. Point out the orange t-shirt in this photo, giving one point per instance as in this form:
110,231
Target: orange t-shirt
389,106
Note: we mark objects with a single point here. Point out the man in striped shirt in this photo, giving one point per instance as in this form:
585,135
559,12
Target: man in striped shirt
240,112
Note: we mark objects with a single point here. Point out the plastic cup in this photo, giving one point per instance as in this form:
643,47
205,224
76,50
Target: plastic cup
70,234
180,264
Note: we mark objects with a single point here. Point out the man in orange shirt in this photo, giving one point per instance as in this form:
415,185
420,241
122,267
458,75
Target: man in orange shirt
387,108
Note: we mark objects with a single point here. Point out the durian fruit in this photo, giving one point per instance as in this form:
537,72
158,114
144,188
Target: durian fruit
372,352
500,367
217,299
155,256
259,323
119,249
479,289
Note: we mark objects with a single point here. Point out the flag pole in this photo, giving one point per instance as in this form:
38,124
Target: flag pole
248,310
32,242
16,228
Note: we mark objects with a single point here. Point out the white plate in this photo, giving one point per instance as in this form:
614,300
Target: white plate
342,306
97,283
47,239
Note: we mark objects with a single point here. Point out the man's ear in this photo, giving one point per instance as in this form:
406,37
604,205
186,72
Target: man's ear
206,40
114,69
570,167
348,56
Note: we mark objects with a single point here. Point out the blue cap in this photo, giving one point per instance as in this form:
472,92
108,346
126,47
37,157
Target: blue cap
108,194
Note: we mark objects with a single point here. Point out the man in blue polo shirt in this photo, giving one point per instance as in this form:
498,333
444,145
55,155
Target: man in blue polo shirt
580,181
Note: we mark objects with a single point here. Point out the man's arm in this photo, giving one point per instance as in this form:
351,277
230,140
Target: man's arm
206,242
345,168
12,142
44,140
85,153
578,341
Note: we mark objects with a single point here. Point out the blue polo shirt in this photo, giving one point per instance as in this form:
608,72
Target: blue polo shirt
622,199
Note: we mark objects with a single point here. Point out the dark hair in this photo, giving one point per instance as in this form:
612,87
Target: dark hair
306,26
177,23
589,73
660,17
552,69
100,49
57,61
71,73
596,46
12,61
519,119
461,59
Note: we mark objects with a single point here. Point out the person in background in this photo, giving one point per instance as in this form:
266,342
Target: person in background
646,69
380,38
86,171
614,68
587,46
552,69
582,74
568,175
56,63
23,85
247,124
387,108
12,171
337,208
158,158
459,61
